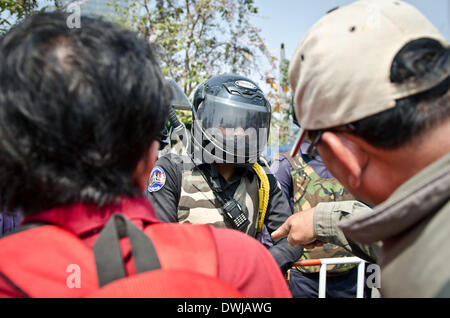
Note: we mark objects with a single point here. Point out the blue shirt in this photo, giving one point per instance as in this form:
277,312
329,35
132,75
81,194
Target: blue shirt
9,221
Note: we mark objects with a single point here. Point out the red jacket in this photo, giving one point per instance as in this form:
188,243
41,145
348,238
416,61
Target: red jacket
249,268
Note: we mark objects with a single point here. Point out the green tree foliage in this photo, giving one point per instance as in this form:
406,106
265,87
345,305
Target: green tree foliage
280,97
13,11
198,38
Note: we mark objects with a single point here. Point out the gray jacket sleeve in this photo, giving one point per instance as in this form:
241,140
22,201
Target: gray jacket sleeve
326,227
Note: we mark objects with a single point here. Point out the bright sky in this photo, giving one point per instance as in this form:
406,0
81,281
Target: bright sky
288,20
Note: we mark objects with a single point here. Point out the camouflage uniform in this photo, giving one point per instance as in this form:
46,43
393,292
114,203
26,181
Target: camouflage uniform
309,190
199,205
180,190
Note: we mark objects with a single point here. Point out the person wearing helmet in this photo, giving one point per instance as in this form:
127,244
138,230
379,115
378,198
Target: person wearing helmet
222,181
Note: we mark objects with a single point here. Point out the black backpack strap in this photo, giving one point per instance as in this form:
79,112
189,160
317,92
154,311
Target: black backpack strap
108,256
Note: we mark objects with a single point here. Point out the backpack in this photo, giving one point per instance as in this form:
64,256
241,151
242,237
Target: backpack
171,260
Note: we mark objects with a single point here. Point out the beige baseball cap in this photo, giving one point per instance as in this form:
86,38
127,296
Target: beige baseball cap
340,71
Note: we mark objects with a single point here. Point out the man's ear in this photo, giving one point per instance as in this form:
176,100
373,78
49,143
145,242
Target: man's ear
344,157
145,165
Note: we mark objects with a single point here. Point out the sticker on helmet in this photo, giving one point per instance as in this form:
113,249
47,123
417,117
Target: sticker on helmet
245,84
157,179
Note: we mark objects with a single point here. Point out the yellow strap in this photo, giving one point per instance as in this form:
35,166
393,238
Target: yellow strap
263,193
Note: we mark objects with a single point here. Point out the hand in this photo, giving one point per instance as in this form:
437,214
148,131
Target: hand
299,228
310,246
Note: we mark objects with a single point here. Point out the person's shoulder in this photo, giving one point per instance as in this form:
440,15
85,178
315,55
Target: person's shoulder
250,251
284,161
169,160
280,162
281,156
272,175
232,236
250,266
166,169
172,164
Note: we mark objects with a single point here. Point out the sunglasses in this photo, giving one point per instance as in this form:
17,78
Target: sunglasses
316,135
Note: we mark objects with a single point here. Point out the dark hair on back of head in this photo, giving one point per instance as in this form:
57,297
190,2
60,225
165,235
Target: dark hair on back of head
413,115
78,109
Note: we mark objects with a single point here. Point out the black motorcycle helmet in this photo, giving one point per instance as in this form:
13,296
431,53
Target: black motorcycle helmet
231,120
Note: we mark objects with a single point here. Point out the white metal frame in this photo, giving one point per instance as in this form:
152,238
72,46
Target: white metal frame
323,262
